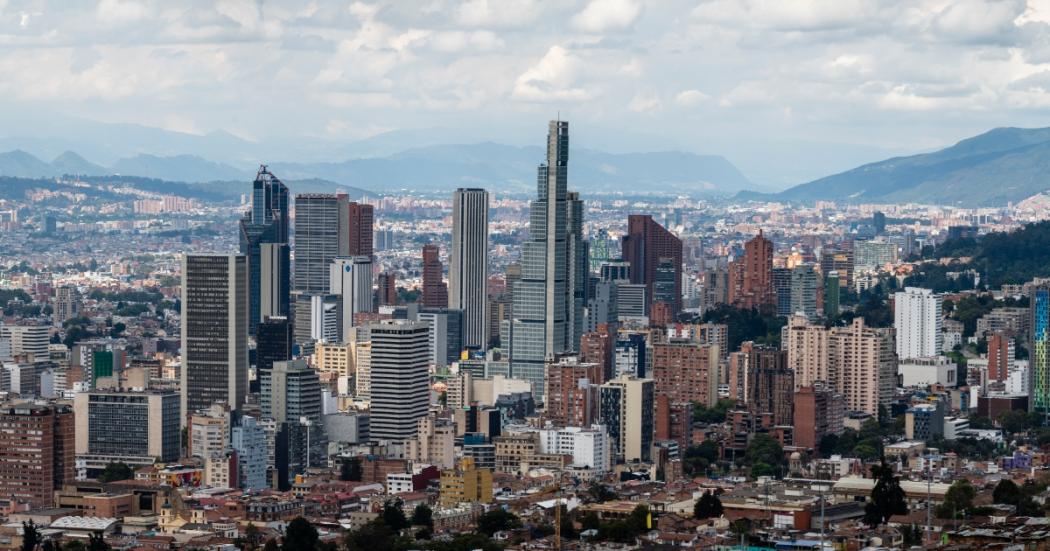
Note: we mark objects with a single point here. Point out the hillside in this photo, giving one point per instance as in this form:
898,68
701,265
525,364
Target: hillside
1000,166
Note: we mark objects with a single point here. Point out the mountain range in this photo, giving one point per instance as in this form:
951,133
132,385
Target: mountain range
1000,166
427,168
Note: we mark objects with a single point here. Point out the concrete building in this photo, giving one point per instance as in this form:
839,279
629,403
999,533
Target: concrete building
685,371
65,306
292,398
645,246
38,452
129,424
214,331
468,270
917,320
209,431
350,278
751,276
626,408
359,229
806,345
435,292
589,447
465,484
572,392
433,443
818,413
1000,356
804,284
321,234
248,439
863,366
923,372
400,389
26,341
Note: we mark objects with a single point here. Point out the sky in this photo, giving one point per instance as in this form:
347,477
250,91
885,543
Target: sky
786,90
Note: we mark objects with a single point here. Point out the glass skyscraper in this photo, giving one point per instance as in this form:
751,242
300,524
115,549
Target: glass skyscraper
548,301
266,222
1039,355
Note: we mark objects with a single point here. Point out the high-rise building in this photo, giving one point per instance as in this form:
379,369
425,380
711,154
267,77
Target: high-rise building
128,424
599,347
66,305
548,301
400,389
1000,356
839,261
209,431
36,452
626,406
468,270
266,223
831,294
435,292
863,366
359,229
248,439
214,331
351,280
321,235
685,371
27,341
917,319
646,244
1039,351
782,290
273,343
878,221
804,283
806,345
292,398
317,318
770,384
602,306
446,334
756,273
387,288
572,392
818,413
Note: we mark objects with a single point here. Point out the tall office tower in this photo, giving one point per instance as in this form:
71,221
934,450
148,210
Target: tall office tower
214,331
400,380
917,319
863,366
818,413
1039,351
266,224
435,292
754,271
320,236
626,408
602,307
468,270
317,318
770,384
831,294
616,271
631,355
248,439
387,289
292,398
1000,356
27,341
572,391
806,345
273,343
685,371
66,305
36,452
351,280
446,334
549,299
878,221
782,290
599,347
644,246
668,284
359,229
804,282
131,426
841,262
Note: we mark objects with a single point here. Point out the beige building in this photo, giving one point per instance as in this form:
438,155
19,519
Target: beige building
210,431
127,424
335,359
626,407
519,453
807,351
433,444
466,484
862,363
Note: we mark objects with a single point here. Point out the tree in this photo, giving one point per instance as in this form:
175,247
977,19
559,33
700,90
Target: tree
393,516
97,542
48,545
708,506
958,499
887,497
271,545
1006,492
763,449
700,457
30,536
299,536
638,520
350,469
497,520
741,527
600,493
423,516
115,471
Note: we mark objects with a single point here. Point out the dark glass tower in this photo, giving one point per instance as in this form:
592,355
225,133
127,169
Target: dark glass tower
267,223
273,343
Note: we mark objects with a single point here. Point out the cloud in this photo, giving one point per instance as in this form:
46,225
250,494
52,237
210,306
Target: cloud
600,16
551,79
644,102
690,98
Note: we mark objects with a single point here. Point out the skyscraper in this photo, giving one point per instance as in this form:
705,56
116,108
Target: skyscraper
351,280
398,370
1039,352
626,408
320,236
917,319
468,269
273,343
644,246
863,365
831,294
753,285
266,223
435,293
292,398
804,282
214,331
387,288
36,452
547,310
359,229
66,305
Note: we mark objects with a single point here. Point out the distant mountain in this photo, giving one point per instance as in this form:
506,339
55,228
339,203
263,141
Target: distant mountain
504,167
429,168
994,168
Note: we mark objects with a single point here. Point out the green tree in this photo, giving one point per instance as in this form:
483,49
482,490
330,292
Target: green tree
957,500
49,545
422,515
252,535
271,545
600,493
30,536
708,506
1006,492
638,520
700,457
393,516
763,449
97,542
299,536
115,471
497,520
887,497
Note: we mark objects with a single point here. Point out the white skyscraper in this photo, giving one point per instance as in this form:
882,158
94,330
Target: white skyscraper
468,271
917,319
400,379
351,279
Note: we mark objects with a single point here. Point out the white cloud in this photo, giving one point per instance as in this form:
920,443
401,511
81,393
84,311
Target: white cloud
551,79
601,16
690,98
644,102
